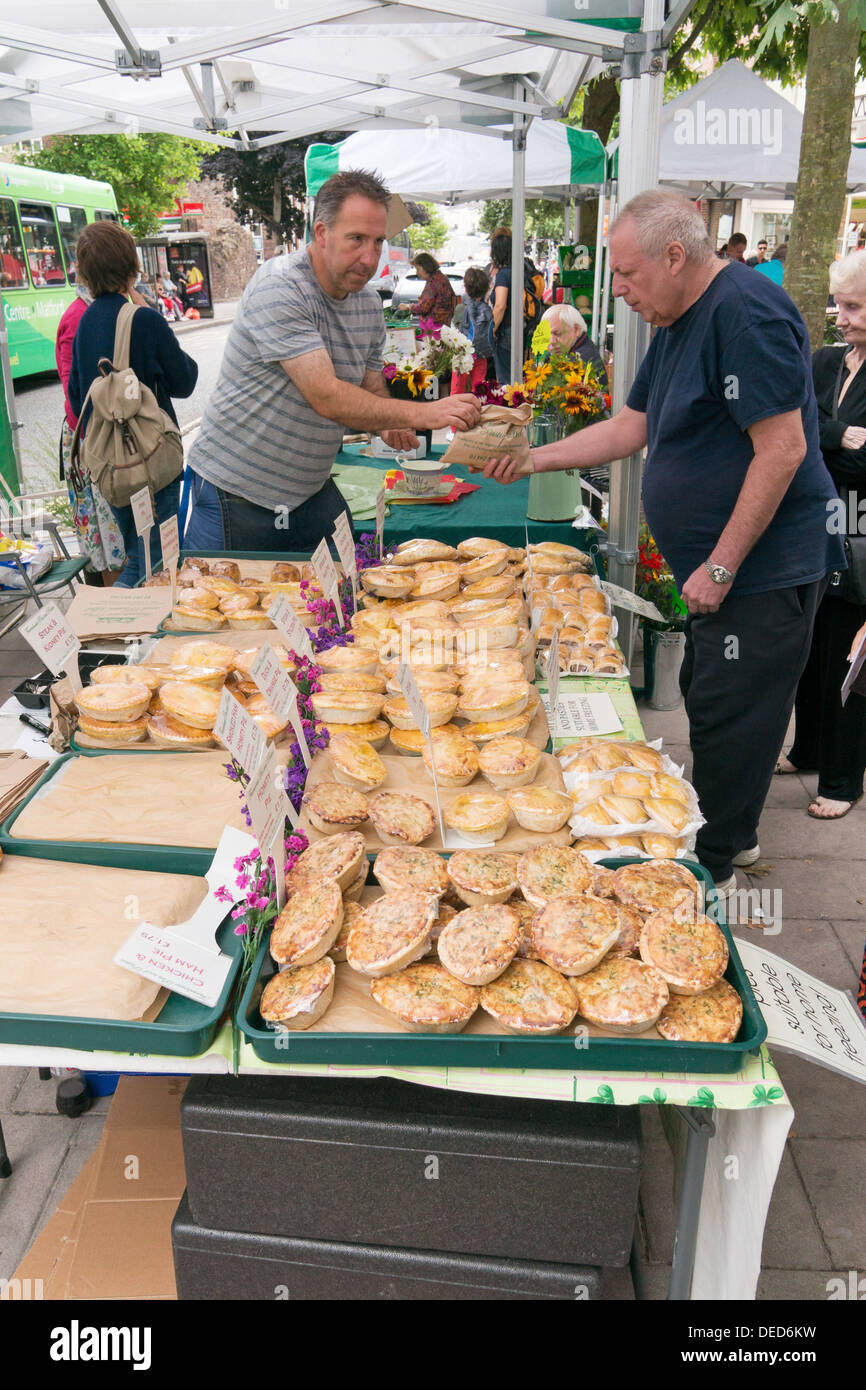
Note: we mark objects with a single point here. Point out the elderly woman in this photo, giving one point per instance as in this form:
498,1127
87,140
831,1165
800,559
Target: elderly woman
568,334
438,301
831,737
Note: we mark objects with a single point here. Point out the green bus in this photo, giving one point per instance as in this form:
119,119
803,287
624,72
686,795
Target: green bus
41,217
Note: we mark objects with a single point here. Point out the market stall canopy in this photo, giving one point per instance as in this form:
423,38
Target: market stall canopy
204,69
450,166
732,135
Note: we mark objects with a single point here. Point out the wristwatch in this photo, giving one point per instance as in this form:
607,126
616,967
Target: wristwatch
718,573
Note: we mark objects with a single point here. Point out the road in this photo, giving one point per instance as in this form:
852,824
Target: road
39,405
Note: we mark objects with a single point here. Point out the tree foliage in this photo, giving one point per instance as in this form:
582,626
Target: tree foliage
267,185
147,172
429,235
544,218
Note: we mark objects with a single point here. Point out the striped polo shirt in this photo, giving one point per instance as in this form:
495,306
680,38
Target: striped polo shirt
259,437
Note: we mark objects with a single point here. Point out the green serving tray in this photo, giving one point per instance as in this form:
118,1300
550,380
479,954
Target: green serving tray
508,1050
160,858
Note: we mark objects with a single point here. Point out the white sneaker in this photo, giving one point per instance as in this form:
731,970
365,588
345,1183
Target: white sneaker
747,857
727,885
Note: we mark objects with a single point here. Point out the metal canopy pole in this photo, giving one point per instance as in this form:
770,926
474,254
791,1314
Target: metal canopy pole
518,219
641,96
599,257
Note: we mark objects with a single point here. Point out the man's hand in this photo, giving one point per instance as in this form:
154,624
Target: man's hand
506,469
400,439
854,437
452,412
702,594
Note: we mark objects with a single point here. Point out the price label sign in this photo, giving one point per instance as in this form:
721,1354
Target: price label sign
142,514
345,543
169,541
553,679
624,598
239,733
326,574
380,521
273,681
289,625
52,640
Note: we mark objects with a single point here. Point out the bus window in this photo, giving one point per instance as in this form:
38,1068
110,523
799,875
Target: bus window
71,222
42,244
101,216
13,268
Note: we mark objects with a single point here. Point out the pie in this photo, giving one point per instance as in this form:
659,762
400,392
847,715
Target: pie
112,731
456,758
530,997
308,925
714,1016
692,956
128,675
419,869
200,598
205,654
242,661
479,816
525,911
251,618
351,913
497,587
416,552
631,783
391,933
427,681
671,815
297,998
391,581
412,742
239,603
656,884
400,818
169,732
661,846
483,877
575,934
349,658
375,733
346,707
552,871
492,630
510,762
425,998
349,682
339,857
356,763
333,808
486,729
441,585
284,572
474,546
440,705
622,996
630,928
484,566
227,569
212,677
478,944
118,703
196,619
540,808
191,704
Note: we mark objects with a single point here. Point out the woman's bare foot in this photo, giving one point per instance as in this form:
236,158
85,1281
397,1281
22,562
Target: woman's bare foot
825,808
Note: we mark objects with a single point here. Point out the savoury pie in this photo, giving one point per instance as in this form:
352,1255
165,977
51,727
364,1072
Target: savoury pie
129,675
349,658
351,913
622,996
390,581
333,808
630,928
205,654
297,998
308,925
425,998
339,857
478,944
484,730
212,677
540,808
479,817
118,703
440,705
112,731
714,1016
356,763
191,704
375,733
656,884
185,619
692,956
391,933
456,758
412,742
351,682
553,871
482,877
169,732
400,818
575,934
530,997
346,707
416,552
510,762
418,869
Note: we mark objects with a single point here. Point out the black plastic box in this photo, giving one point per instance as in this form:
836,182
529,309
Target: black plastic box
228,1265
388,1163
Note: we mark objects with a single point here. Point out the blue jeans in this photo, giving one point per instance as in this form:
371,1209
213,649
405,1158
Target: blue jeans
219,520
165,504
502,357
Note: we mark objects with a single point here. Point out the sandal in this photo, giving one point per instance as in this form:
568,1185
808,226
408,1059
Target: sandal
838,815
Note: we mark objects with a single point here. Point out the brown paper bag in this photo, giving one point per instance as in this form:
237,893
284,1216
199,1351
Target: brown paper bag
501,430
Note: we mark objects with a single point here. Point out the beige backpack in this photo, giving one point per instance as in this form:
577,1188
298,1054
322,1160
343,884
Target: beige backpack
130,442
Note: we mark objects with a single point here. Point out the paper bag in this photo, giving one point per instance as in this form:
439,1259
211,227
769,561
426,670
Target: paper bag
501,430
64,715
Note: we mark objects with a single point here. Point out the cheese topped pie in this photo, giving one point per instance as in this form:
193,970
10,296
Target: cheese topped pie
308,925
714,1016
351,913
483,877
440,705
630,928
338,858
456,758
298,997
478,944
509,762
418,869
525,912
622,996
400,818
121,702
479,816
352,893
173,733
425,998
551,871
540,808
574,934
333,808
692,956
656,884
356,763
530,997
390,933
191,704
204,654
412,742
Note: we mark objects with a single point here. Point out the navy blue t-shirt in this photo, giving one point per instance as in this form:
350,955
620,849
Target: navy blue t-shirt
739,354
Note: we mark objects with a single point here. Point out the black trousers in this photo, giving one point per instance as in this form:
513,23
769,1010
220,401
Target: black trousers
739,677
830,736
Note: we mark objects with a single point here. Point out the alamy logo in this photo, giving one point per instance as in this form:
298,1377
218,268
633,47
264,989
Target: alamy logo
736,125
77,1343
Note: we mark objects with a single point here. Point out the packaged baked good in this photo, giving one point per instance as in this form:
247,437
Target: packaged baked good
440,705
456,758
204,653
169,732
348,658
418,551
509,762
391,933
411,742
425,998
117,703
112,732
296,998
530,997
480,943
185,619
542,809
346,707
351,682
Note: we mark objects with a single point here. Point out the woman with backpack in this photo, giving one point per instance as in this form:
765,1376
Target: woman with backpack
108,262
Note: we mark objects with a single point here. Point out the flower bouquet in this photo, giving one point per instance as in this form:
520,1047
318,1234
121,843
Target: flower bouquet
655,582
439,350
565,391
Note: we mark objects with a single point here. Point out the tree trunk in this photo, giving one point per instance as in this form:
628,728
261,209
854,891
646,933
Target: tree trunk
825,149
600,106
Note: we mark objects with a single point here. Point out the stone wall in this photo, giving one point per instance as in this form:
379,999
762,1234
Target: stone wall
232,257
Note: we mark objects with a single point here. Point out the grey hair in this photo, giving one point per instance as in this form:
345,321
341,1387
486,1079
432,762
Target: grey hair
567,314
849,274
347,184
660,217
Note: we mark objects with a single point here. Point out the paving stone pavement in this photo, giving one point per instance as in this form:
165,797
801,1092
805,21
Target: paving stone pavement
816,1228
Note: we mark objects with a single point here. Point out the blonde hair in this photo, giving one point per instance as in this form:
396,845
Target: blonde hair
849,274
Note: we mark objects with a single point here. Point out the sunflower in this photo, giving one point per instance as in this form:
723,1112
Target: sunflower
418,379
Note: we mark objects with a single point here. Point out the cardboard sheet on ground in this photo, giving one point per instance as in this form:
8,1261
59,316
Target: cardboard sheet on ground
410,775
60,925
136,798
106,613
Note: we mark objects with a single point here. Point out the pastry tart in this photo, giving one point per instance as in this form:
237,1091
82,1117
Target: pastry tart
478,816
308,925
425,998
351,682
351,913
191,704
196,619
333,808
440,706
412,742
356,763
391,933
575,934
346,707
417,552
112,731
130,675
481,877
349,658
418,869
456,758
169,732
482,731
375,733
714,1016
204,654
510,762
400,818
551,871
530,997
295,999
338,858
493,702
657,884
630,928
622,996
540,808
692,956
388,581
117,703
484,566
479,943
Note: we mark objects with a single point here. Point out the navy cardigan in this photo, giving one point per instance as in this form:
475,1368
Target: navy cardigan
154,353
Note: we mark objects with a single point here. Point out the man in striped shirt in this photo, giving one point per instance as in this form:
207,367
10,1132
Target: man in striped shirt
303,361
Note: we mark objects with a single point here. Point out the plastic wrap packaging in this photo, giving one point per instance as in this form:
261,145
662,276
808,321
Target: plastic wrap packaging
628,801
586,757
